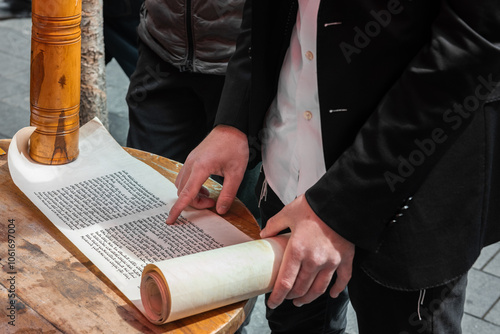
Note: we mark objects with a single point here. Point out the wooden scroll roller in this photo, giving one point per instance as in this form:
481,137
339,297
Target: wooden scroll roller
55,80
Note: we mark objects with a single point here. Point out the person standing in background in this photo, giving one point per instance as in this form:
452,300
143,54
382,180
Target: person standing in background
121,19
10,9
184,48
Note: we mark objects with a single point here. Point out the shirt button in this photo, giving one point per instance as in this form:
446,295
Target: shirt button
308,115
309,55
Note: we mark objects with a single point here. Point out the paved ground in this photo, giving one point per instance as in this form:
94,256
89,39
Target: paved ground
483,298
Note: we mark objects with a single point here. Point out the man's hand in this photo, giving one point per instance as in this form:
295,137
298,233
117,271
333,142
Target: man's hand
313,253
223,152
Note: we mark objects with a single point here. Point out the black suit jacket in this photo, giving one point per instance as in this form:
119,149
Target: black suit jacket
409,102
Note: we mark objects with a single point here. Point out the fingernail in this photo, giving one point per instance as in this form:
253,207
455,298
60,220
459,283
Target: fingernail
223,208
298,304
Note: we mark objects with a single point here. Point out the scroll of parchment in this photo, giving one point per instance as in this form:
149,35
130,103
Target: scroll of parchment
184,286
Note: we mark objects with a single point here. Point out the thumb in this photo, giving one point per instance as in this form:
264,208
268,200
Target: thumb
228,193
274,226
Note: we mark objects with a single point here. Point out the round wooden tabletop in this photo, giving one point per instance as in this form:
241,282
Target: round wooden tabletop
58,290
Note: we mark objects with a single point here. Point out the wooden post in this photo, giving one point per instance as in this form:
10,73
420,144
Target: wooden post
55,80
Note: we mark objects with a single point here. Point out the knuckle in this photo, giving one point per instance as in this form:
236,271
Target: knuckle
335,261
196,163
300,291
186,193
297,249
318,259
225,197
310,266
286,285
318,290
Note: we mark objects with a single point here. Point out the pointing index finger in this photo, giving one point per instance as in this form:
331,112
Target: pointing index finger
187,195
176,209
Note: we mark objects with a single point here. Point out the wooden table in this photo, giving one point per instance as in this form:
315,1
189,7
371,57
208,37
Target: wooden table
58,290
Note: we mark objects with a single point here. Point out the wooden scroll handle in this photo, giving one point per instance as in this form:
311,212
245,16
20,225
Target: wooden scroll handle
55,80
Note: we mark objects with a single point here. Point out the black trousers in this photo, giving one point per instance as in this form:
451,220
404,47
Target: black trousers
383,310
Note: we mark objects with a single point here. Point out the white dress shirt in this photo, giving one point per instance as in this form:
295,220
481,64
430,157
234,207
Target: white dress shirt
293,157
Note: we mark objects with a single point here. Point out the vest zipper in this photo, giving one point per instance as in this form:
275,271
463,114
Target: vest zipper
189,30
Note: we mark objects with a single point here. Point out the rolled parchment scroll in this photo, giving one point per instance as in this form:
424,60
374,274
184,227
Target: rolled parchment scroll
192,284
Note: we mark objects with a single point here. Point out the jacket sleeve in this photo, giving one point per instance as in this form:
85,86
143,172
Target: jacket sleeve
417,121
234,105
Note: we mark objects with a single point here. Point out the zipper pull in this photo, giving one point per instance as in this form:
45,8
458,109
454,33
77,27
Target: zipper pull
187,67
